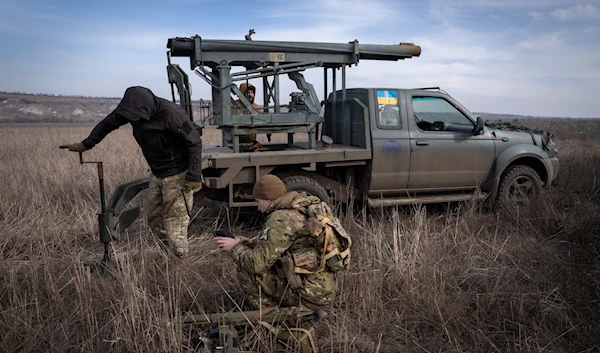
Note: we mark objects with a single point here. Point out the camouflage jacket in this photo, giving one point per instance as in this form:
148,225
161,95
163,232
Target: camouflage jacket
284,236
281,232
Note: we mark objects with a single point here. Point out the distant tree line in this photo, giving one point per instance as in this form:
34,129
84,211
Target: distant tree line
208,102
48,120
57,95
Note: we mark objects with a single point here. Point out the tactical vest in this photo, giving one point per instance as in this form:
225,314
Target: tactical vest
329,239
325,232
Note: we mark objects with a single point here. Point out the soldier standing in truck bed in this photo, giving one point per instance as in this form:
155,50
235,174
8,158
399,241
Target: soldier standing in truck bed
249,91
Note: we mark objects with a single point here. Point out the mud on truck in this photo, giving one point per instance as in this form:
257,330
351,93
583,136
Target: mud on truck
382,146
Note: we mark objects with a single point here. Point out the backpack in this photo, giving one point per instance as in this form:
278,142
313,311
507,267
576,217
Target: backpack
326,234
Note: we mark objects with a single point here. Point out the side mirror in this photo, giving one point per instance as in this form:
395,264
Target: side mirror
478,129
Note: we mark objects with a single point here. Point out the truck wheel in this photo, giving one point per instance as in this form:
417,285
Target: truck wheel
520,186
310,186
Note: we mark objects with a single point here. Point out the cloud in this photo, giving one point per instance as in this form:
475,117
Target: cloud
457,44
536,15
444,12
484,52
344,13
543,42
440,50
577,12
324,33
451,11
591,30
507,4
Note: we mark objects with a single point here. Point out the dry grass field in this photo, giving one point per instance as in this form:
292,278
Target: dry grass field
446,278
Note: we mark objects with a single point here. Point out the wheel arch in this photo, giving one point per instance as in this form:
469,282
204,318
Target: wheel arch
532,162
336,190
505,161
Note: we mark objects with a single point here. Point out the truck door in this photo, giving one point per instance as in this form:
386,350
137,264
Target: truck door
445,155
391,148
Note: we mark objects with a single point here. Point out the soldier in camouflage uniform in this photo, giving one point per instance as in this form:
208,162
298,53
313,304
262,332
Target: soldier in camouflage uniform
265,274
249,91
172,148
167,213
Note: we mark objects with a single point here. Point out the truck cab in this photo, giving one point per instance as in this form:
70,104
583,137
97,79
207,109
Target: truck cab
427,146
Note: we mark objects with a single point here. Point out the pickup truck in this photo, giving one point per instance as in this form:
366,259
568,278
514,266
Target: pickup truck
394,147
383,146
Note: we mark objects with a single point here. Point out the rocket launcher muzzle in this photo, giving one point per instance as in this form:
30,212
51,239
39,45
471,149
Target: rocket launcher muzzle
209,50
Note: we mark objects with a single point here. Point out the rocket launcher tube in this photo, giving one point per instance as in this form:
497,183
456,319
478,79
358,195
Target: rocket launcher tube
187,47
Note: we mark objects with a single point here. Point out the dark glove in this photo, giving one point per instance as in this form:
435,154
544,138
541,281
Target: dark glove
192,186
75,147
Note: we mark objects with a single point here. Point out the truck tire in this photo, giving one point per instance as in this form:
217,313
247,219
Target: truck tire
310,186
520,186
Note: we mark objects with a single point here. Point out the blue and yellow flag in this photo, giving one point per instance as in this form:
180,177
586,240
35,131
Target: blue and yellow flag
387,97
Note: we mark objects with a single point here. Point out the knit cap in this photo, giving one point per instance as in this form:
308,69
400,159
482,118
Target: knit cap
269,187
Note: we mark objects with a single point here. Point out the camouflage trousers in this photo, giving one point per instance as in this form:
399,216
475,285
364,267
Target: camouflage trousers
271,289
167,214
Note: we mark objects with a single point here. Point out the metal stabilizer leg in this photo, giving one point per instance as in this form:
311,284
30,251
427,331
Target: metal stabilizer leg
108,228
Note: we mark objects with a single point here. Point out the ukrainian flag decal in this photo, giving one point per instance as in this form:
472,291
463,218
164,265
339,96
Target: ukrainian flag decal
387,97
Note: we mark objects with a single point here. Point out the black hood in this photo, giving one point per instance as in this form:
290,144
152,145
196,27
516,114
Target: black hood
137,103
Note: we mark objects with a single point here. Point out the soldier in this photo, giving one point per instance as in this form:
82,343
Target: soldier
172,148
281,267
249,91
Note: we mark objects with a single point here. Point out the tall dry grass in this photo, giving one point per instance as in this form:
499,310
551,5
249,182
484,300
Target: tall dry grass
446,278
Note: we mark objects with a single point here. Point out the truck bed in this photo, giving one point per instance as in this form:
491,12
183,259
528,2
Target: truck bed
297,153
223,167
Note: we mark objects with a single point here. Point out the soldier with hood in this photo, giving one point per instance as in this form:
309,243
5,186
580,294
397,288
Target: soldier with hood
172,147
282,267
249,91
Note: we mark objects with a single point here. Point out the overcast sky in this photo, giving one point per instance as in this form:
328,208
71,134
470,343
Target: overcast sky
530,57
